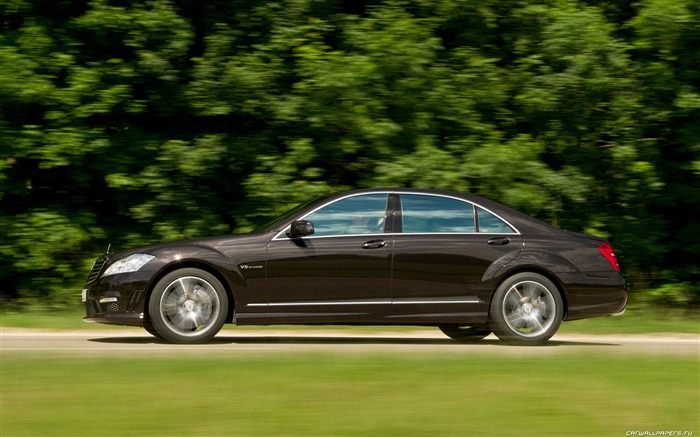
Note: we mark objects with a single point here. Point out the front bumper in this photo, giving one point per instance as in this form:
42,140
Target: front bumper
116,319
117,299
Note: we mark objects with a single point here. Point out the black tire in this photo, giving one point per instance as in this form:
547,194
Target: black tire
465,332
526,309
188,306
148,326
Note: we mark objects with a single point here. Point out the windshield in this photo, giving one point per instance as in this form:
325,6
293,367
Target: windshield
279,221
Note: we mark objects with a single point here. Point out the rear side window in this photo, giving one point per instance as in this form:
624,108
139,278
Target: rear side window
489,223
434,214
364,214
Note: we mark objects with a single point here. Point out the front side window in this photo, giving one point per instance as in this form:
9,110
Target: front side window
433,214
363,214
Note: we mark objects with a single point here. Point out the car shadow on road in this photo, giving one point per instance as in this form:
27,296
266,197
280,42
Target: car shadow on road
354,340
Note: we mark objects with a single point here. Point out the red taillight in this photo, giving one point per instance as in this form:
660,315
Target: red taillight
609,254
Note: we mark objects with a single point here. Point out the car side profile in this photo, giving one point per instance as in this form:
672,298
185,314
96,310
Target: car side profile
462,263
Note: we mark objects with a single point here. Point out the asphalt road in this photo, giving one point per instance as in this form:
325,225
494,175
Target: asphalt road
135,342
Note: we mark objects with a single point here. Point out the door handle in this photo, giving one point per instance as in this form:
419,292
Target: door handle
374,244
499,241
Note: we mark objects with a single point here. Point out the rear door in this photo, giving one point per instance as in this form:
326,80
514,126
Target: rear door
442,251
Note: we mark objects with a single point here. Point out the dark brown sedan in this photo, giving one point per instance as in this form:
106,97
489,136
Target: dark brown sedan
462,263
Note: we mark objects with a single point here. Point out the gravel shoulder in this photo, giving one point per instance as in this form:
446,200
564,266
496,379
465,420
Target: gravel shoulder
135,342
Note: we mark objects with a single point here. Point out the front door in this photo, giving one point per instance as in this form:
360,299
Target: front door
341,273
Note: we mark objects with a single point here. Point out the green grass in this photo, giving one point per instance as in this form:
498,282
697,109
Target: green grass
65,318
638,320
347,395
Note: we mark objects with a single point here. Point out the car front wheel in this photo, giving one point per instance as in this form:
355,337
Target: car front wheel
526,309
187,306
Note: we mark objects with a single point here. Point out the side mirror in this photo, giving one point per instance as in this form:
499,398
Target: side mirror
300,228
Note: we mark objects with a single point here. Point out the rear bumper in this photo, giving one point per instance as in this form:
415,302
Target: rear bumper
594,297
620,313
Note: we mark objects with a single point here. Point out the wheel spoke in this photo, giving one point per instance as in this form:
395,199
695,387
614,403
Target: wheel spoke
516,319
181,288
171,298
516,293
531,290
195,322
513,299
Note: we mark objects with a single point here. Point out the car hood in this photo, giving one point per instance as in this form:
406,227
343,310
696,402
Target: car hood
213,243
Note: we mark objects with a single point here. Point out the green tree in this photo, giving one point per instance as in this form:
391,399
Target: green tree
134,121
665,48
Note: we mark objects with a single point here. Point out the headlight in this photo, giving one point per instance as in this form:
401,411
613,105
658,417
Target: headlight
131,263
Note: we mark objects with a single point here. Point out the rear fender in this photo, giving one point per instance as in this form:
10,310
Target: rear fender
549,264
498,265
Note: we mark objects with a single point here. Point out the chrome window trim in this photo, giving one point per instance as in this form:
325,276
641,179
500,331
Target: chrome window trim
453,233
390,234
281,235
283,232
318,237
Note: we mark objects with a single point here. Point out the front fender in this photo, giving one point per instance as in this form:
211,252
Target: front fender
179,257
174,258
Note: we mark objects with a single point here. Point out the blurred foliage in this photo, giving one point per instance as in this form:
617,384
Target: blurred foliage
129,122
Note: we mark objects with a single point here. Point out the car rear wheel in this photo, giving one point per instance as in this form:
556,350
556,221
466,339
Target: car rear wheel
526,309
465,332
188,306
